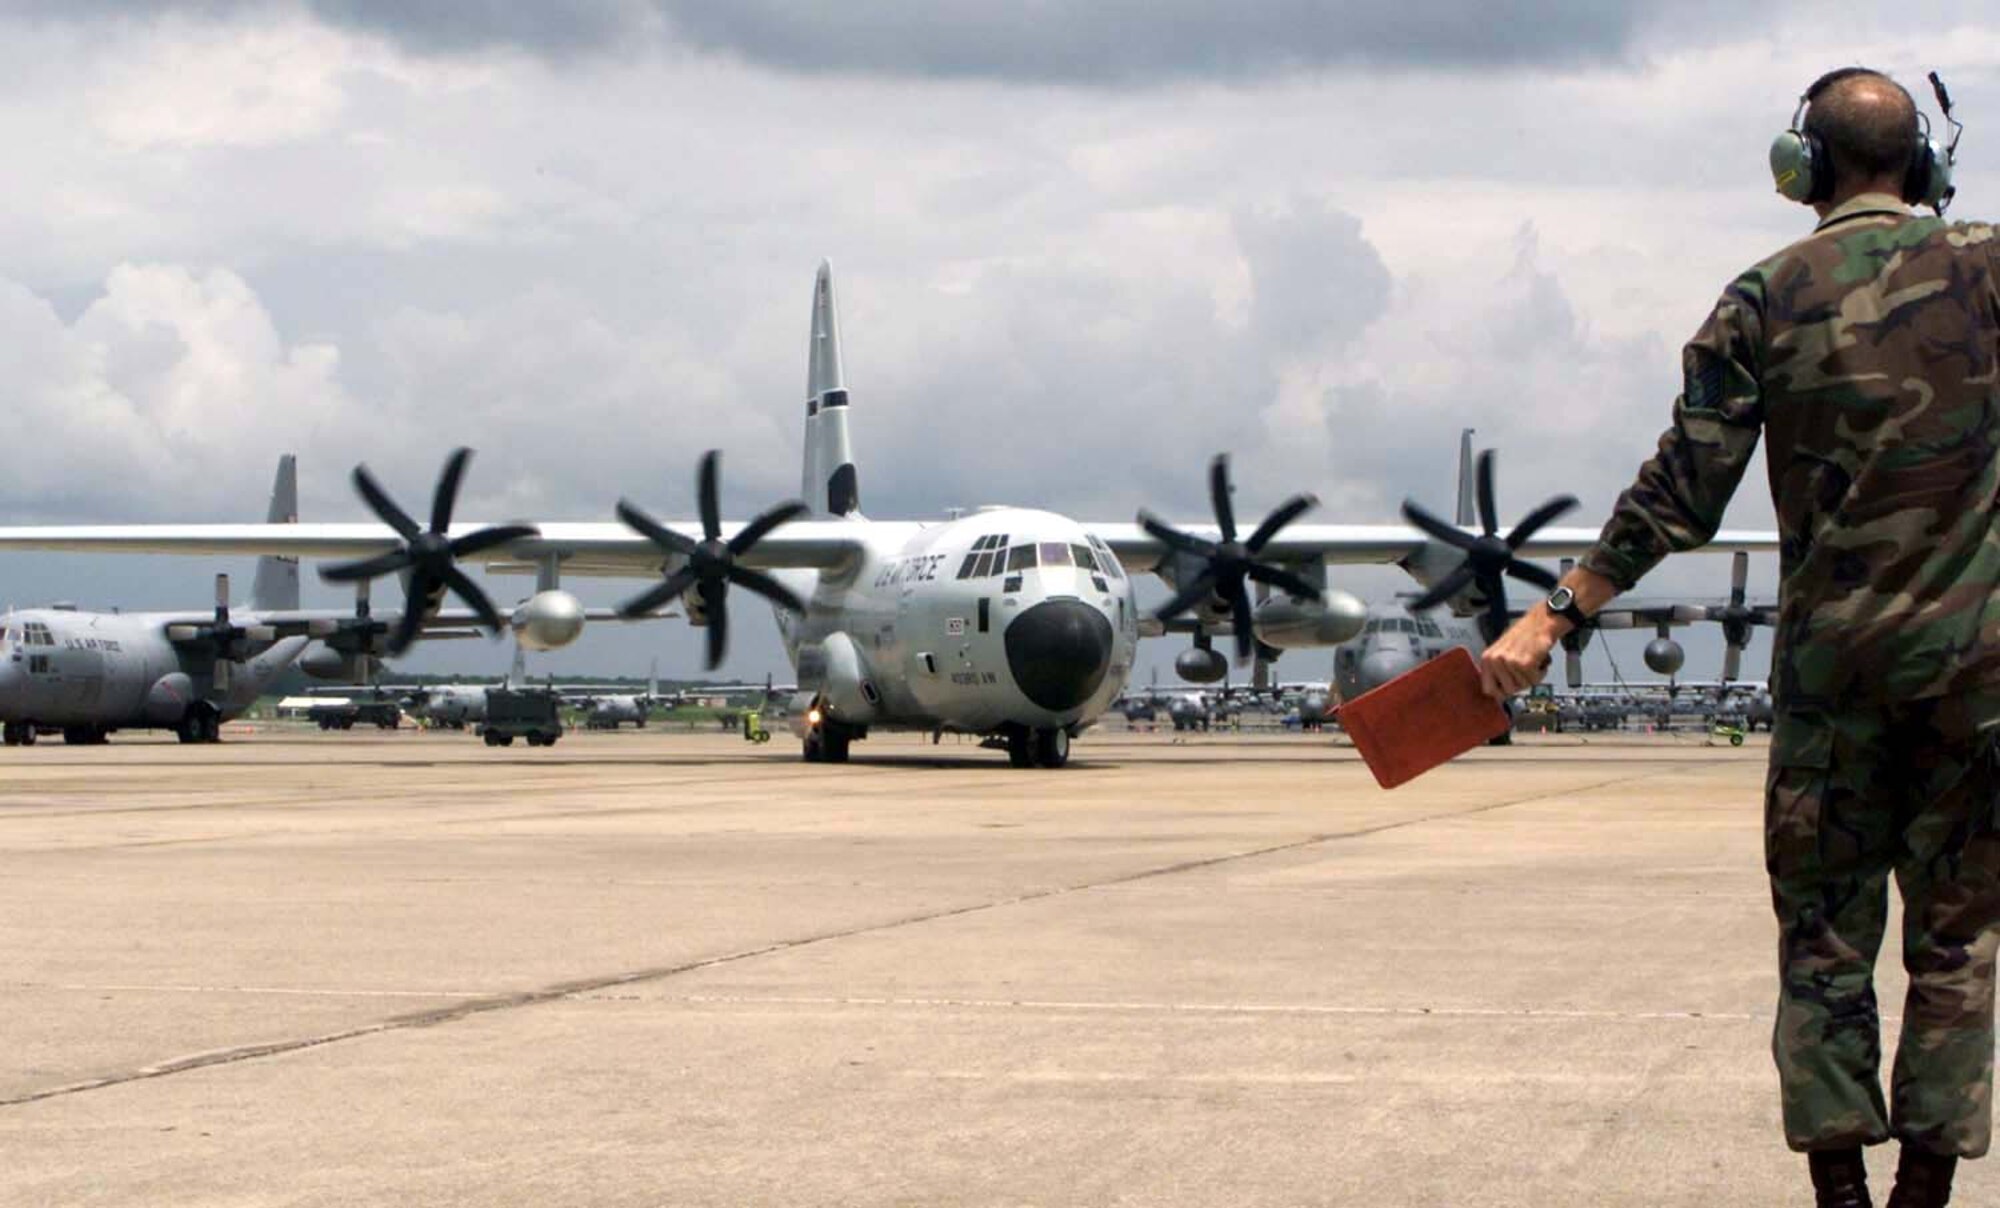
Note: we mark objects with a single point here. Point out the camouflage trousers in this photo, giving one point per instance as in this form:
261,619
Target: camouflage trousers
1853,797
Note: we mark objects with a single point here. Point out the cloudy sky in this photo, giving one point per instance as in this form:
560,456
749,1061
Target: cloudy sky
1081,245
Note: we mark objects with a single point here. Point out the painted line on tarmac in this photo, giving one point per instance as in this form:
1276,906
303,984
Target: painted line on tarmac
470,1008
294,991
1220,1008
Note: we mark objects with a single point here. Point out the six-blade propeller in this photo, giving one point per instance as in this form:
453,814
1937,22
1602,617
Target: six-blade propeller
1490,559
429,555
712,564
1229,565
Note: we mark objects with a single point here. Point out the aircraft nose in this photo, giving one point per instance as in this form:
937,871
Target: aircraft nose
1378,667
1059,651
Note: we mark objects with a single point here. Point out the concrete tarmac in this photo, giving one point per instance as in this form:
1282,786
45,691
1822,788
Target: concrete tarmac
670,969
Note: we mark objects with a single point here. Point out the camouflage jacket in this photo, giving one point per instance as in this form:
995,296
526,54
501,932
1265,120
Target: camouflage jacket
1867,351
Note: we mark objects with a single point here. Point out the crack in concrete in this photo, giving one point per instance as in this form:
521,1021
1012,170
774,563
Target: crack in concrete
462,1010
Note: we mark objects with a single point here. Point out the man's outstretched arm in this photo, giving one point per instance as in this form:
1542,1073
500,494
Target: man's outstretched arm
1676,502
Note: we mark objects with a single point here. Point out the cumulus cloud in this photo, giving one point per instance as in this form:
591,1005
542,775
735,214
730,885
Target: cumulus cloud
149,397
1089,42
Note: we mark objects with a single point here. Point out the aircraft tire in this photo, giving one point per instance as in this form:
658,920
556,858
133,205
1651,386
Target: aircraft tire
835,745
200,723
27,734
812,750
10,733
1020,748
1051,748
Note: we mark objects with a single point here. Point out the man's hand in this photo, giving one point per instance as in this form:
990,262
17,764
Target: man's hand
1520,658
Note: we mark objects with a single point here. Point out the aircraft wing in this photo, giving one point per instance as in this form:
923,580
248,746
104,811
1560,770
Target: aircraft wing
586,548
444,623
1379,543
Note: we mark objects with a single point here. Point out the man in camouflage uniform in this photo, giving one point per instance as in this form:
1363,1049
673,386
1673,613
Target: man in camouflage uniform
1870,353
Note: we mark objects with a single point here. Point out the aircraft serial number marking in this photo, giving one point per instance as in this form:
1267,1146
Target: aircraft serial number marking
973,679
921,569
107,644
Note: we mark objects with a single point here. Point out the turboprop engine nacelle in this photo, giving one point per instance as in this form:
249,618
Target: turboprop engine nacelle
324,663
1290,624
548,620
1198,666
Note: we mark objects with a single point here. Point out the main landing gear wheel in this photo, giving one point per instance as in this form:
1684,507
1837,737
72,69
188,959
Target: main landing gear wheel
1020,749
201,723
84,736
17,734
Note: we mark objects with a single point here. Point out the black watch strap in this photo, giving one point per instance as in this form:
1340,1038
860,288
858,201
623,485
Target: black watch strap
1562,602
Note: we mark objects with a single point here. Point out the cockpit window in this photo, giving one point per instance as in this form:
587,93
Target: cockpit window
1106,560
1021,557
1084,558
988,556
1055,553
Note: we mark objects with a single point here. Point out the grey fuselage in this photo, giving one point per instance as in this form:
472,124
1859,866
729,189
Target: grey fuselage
915,637
114,671
609,712
1392,642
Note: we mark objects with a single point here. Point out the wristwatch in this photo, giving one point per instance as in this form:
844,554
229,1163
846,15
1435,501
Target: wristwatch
1562,602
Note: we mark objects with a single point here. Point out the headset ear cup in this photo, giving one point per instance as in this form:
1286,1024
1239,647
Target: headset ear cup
1792,166
1917,180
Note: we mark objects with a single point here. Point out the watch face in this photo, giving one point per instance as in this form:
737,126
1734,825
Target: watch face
1561,598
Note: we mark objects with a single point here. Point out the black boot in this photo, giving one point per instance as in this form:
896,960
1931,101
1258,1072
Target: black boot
1840,1178
1923,1180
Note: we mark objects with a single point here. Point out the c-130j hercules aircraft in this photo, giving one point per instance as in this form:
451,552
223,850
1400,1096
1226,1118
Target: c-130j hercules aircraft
1016,624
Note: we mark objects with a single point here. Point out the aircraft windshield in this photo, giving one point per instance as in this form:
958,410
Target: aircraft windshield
988,556
1106,560
1055,553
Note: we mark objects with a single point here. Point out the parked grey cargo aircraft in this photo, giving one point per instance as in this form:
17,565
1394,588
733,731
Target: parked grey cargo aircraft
87,674
1017,624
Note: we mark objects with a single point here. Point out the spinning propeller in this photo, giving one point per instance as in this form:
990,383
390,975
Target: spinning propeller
711,564
430,557
1229,565
1489,558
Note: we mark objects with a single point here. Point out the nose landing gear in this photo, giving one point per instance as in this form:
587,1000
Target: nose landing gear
1044,748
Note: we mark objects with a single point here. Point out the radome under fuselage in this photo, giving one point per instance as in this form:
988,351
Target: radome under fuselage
64,668
924,616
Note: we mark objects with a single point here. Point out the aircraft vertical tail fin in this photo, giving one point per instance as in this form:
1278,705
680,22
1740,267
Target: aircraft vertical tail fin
1467,515
653,679
829,485
277,583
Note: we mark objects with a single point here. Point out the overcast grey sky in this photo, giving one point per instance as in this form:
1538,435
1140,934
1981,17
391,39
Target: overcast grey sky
1080,247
